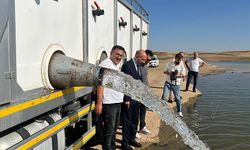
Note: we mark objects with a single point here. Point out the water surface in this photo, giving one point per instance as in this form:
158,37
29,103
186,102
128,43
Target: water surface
221,116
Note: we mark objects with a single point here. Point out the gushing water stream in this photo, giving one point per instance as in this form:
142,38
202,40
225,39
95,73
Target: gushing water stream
138,91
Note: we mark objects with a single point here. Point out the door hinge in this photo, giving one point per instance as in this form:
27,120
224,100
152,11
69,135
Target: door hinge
10,75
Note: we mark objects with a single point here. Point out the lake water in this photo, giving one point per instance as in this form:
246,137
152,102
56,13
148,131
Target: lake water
221,116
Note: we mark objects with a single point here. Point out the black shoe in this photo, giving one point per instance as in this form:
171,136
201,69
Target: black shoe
135,143
126,148
170,101
194,90
164,99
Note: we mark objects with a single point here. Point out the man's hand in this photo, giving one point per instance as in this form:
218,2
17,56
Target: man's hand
127,103
184,78
166,72
98,109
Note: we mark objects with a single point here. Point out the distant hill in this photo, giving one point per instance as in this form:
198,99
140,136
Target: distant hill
212,56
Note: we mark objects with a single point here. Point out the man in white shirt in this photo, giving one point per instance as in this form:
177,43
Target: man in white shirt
176,72
109,101
181,54
193,69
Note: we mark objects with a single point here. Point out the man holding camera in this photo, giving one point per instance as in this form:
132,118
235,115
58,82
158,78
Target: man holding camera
176,72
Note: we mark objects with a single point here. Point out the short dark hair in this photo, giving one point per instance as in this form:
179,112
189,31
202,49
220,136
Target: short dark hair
181,54
118,47
178,56
149,52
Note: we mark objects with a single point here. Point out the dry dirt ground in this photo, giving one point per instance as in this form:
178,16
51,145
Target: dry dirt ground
215,56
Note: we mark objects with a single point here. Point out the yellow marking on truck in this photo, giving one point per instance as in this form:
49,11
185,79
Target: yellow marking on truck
84,139
16,108
55,129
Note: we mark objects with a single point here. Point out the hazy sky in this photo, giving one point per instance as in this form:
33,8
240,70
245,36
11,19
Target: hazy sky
198,25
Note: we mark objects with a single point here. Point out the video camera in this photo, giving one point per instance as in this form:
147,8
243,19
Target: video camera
173,75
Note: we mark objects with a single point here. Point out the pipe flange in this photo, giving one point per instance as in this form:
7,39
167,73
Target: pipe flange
46,61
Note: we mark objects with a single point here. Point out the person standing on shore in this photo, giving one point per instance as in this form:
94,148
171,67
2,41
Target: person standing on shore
144,73
176,72
195,63
130,108
109,101
181,54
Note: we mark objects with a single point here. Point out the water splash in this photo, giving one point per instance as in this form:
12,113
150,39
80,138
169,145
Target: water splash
138,91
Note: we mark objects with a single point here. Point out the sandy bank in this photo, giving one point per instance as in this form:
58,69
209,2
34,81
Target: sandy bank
215,56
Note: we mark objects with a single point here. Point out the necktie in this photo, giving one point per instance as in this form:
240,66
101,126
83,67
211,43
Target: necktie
139,71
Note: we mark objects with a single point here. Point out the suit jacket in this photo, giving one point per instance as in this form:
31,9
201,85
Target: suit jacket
129,68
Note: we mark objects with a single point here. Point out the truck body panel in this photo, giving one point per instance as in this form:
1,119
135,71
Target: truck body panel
31,31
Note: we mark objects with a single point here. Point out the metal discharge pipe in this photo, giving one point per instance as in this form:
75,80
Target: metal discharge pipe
65,72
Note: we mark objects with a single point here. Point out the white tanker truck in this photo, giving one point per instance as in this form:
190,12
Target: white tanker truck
45,94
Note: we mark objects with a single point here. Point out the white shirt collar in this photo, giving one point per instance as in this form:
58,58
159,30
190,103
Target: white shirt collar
135,63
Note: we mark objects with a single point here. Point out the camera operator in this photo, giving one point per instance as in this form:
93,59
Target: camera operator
176,73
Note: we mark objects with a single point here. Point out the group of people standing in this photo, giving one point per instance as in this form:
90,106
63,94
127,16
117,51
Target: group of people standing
115,107
112,104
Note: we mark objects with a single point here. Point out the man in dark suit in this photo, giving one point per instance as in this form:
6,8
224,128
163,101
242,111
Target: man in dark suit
144,74
130,108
